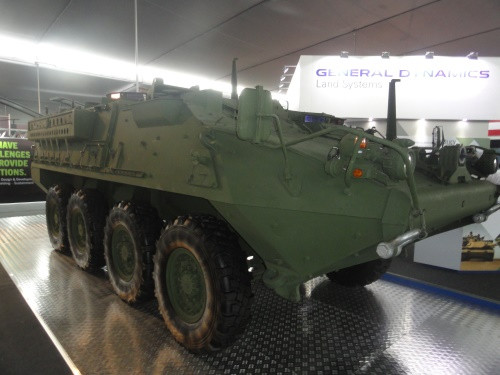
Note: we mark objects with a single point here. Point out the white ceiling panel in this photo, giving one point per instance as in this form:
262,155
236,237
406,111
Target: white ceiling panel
29,18
201,37
283,26
202,14
487,44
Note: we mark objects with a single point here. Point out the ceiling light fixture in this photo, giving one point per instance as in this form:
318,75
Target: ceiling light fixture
286,78
56,57
473,55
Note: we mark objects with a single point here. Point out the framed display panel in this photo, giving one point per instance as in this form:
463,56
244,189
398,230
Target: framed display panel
16,184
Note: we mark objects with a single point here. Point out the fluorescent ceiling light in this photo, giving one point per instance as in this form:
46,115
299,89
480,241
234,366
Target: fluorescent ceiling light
63,58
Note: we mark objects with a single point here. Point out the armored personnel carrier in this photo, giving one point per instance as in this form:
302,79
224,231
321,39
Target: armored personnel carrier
242,184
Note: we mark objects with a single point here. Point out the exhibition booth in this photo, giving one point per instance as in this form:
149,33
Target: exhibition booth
456,97
385,326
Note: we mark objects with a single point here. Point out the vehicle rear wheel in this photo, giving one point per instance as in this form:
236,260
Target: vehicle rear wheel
202,283
86,217
55,214
360,274
129,245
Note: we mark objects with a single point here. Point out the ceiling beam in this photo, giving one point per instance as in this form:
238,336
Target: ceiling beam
55,21
455,40
333,38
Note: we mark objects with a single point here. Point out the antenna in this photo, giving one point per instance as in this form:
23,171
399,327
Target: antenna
234,81
391,133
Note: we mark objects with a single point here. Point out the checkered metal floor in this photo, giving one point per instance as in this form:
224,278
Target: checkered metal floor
381,329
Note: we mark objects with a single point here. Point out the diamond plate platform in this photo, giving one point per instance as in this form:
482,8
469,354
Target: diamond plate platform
381,329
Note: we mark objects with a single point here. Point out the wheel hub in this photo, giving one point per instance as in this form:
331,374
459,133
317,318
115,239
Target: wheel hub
53,218
123,254
78,231
56,220
186,285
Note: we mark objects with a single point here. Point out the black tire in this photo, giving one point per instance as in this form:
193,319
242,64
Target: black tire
486,164
129,245
86,217
212,274
55,214
360,274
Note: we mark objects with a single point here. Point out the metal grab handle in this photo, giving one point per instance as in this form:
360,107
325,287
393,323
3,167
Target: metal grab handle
350,166
402,153
410,179
277,124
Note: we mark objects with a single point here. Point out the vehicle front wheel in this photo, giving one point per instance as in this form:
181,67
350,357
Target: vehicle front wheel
202,283
129,244
85,221
360,274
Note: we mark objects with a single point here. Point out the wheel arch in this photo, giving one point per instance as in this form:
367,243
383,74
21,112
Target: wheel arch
168,205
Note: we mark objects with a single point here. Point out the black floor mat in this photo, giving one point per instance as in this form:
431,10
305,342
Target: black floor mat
479,284
25,348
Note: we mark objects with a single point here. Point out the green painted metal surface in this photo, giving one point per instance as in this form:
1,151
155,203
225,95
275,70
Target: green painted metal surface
122,251
306,194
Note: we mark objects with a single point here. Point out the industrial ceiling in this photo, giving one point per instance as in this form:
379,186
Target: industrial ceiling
202,36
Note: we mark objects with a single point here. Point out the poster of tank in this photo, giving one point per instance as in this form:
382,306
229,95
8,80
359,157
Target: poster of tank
481,242
474,247
480,245
16,184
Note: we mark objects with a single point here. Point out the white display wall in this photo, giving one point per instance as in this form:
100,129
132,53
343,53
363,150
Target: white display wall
445,88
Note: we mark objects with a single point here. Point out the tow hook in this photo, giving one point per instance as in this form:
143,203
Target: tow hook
483,216
387,250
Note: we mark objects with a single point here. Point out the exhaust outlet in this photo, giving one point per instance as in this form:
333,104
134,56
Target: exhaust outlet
387,250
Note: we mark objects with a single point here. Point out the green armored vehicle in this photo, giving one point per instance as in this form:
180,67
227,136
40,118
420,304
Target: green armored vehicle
243,185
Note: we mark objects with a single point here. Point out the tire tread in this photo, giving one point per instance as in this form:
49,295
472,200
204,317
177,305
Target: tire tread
232,280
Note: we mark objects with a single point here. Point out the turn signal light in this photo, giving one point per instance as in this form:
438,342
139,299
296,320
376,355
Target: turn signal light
362,144
357,173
